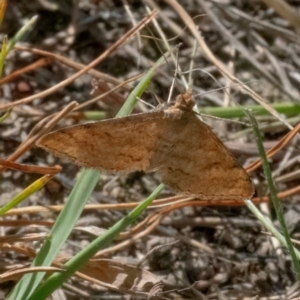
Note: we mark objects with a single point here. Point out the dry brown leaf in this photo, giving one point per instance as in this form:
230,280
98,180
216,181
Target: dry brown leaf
120,276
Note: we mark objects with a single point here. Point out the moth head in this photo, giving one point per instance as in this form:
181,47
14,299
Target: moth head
185,101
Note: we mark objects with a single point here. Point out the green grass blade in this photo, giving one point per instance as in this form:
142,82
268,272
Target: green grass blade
59,233
55,280
31,189
273,192
3,54
18,36
269,226
5,116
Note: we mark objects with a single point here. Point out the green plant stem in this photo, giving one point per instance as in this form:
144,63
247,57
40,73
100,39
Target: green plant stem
94,115
288,109
273,192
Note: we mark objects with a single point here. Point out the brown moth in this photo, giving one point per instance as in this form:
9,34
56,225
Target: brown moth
174,143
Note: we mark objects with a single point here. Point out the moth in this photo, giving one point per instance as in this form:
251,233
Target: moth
173,142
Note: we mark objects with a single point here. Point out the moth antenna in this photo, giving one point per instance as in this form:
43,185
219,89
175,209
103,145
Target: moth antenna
134,22
224,119
145,102
190,79
168,47
173,80
224,88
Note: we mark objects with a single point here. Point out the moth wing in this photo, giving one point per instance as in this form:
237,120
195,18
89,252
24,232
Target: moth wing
114,145
182,149
200,165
